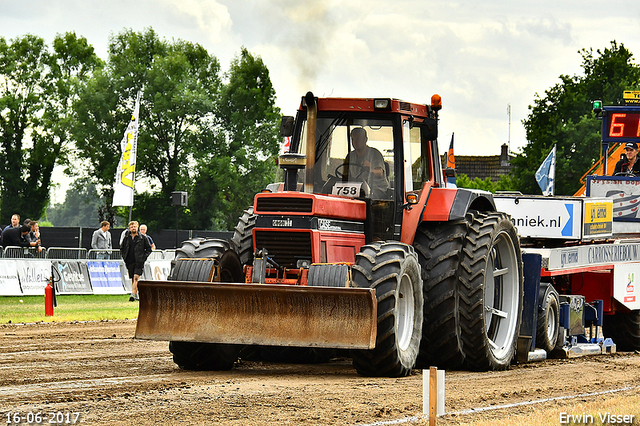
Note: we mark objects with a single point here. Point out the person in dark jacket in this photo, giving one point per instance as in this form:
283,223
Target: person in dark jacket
629,164
135,249
16,237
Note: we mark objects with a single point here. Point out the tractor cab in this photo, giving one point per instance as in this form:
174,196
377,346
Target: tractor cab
375,150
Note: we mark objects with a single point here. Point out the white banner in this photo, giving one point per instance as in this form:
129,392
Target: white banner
9,284
34,276
626,285
156,270
105,277
125,175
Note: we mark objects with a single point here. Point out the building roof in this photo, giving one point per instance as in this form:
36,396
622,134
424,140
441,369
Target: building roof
491,166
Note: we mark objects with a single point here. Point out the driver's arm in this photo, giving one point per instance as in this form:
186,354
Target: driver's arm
618,167
377,168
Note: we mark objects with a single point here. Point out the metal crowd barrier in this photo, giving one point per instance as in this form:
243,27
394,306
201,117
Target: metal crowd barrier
15,252
112,254
55,253
66,253
156,255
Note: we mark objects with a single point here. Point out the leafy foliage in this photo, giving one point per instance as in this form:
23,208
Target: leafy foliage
196,133
505,183
179,81
37,87
241,160
563,116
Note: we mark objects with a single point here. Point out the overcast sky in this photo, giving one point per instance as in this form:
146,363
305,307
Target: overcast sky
479,56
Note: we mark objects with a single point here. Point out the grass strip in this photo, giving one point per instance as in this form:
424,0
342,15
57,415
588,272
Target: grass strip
89,307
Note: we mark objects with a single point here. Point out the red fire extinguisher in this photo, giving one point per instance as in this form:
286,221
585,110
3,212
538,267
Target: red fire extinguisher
49,297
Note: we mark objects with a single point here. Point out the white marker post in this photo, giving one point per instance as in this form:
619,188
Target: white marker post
432,394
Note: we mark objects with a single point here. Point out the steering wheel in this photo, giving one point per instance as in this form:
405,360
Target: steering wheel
341,174
626,174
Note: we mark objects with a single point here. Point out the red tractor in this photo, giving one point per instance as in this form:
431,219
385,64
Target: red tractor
360,247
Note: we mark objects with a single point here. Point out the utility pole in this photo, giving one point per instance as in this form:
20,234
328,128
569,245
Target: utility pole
509,115
509,137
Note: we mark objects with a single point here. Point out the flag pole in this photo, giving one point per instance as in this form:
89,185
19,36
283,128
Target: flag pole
123,188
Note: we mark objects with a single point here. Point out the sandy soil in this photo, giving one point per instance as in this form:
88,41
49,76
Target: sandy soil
98,370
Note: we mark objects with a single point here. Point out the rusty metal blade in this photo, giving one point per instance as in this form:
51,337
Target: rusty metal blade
262,314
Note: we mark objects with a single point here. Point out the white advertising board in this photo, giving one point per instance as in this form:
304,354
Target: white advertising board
9,283
105,277
156,270
541,217
34,276
623,191
570,218
626,283
592,255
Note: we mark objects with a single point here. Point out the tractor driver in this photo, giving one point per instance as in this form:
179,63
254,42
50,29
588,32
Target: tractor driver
367,163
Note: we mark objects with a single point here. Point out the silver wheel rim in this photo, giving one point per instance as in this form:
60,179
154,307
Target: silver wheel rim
501,295
551,321
404,313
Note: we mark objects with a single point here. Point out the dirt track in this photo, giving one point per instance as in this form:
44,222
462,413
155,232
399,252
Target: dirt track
98,370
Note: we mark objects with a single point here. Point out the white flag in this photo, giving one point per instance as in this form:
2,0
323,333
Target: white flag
125,174
546,174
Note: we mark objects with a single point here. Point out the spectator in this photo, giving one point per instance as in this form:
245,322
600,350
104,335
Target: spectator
135,249
34,234
17,237
15,222
125,232
101,240
143,231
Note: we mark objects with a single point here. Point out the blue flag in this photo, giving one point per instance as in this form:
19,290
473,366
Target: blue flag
546,174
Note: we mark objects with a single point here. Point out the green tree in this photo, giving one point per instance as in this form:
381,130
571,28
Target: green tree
505,183
564,117
239,158
37,88
179,81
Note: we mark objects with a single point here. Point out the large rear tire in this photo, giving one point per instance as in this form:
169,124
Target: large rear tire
392,269
624,329
242,239
439,246
210,256
491,291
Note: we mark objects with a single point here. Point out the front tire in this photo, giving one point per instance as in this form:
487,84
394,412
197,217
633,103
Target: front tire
209,257
204,356
491,291
392,269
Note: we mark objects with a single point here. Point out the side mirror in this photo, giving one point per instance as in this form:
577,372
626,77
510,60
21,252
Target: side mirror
429,129
286,126
410,200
